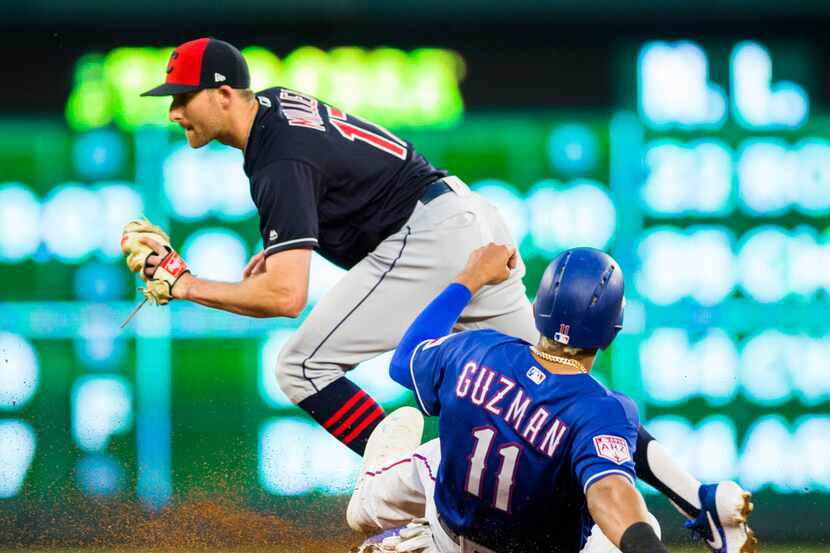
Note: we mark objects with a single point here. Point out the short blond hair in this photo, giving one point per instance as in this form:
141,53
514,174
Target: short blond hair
246,94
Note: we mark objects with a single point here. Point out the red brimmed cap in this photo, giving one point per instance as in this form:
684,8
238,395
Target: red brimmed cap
203,63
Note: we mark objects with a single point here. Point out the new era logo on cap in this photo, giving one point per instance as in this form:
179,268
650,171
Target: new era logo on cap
203,63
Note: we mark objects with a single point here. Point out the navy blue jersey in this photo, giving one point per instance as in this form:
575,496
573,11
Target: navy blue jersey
520,445
322,178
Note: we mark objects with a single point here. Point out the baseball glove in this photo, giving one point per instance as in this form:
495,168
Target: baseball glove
159,289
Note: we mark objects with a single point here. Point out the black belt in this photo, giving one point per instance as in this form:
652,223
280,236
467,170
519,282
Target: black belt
433,190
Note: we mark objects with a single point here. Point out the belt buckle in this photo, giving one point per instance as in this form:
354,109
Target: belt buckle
469,546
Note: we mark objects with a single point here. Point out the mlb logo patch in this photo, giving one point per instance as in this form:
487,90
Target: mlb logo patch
536,375
612,448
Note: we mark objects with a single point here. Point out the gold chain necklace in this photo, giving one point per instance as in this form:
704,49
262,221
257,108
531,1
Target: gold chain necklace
561,360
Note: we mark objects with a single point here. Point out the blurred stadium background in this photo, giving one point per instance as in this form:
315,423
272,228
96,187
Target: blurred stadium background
690,139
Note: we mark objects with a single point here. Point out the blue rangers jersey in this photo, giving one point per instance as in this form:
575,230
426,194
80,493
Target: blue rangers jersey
520,445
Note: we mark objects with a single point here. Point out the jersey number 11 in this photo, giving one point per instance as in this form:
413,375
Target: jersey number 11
477,464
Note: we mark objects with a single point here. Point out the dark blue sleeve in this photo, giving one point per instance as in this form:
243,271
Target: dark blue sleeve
435,321
605,443
285,193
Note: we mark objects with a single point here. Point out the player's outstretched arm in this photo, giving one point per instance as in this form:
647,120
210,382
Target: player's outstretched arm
620,512
489,264
280,290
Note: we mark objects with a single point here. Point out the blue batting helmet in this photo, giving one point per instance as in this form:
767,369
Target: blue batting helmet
580,299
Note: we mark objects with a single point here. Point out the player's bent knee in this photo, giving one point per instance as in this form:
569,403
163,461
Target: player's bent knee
298,376
289,374
287,383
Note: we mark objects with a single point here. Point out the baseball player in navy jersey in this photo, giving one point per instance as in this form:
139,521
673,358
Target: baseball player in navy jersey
325,180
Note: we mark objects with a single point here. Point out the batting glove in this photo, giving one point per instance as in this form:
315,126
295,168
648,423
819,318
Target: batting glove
159,289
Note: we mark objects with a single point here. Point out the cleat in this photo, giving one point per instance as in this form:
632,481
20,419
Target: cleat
722,522
395,437
415,536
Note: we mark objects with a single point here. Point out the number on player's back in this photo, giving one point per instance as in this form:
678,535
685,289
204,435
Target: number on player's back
357,129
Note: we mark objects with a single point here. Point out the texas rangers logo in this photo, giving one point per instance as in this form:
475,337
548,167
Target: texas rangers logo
612,448
562,336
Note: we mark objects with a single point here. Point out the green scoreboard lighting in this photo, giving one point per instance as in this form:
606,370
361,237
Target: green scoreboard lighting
200,251
729,255
17,448
19,222
675,90
392,87
711,187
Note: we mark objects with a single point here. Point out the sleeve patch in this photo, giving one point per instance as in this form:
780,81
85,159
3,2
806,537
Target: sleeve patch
612,448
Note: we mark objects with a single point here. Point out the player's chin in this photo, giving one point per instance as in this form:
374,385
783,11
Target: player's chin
196,139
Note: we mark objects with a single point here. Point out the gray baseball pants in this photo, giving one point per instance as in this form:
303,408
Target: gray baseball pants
370,308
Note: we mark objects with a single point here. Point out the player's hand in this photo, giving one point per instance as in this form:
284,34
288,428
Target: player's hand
255,266
151,262
138,251
150,254
163,269
490,264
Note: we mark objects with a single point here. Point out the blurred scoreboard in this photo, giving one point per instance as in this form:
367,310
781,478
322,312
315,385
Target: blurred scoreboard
729,248
709,181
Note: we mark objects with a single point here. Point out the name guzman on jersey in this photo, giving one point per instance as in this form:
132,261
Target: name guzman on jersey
509,401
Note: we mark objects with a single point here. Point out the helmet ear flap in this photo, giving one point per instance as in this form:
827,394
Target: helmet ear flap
613,335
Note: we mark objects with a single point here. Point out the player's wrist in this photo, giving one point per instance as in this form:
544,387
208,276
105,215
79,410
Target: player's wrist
471,282
640,537
181,289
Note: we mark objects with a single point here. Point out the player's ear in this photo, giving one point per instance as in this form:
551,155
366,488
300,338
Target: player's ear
225,95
